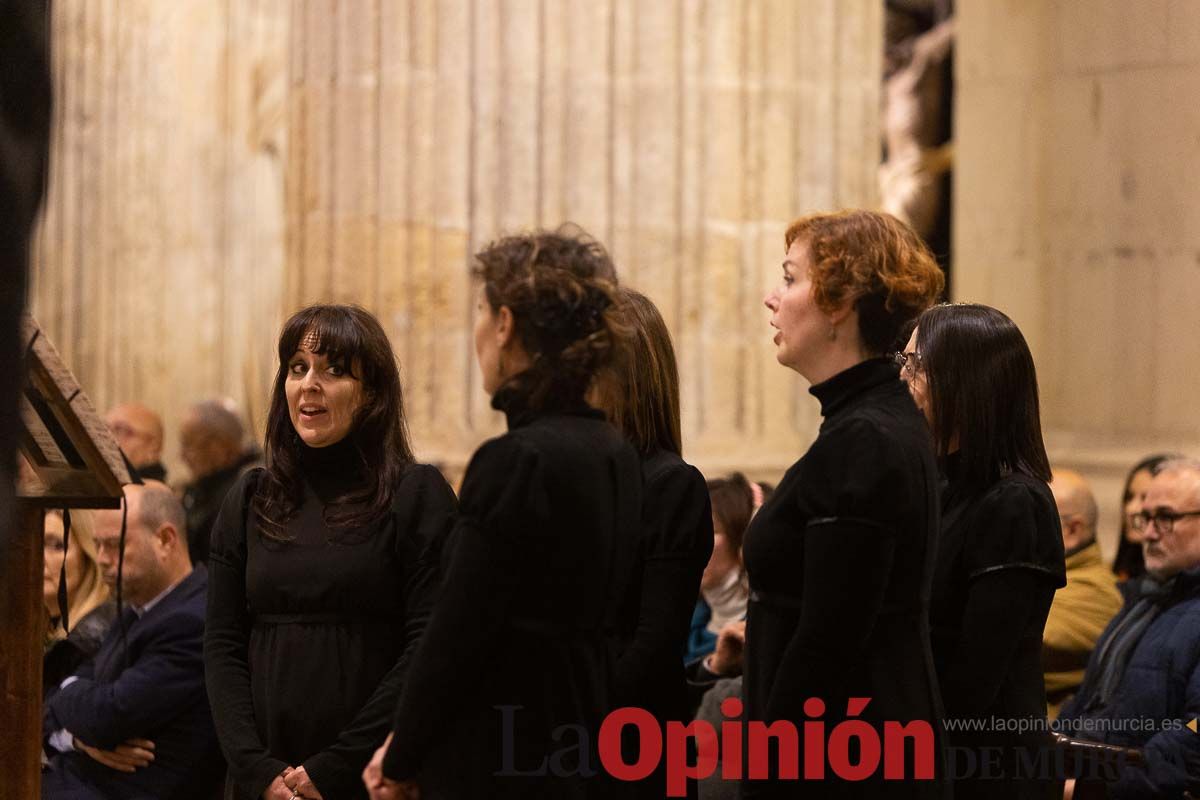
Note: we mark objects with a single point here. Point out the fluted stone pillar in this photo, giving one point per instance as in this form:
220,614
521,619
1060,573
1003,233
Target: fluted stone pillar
1076,213
159,263
684,135
217,165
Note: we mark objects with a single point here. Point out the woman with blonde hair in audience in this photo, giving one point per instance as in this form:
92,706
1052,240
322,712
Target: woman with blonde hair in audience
89,612
840,558
1000,555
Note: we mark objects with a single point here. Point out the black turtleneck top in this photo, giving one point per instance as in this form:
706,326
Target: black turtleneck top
519,643
307,641
840,560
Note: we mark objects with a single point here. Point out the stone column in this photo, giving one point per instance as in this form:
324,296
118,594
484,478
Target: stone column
684,135
1076,213
159,263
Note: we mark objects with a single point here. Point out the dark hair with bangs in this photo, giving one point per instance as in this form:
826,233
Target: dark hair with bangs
353,339
982,389
640,390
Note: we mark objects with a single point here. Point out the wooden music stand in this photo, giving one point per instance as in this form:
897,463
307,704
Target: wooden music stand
70,461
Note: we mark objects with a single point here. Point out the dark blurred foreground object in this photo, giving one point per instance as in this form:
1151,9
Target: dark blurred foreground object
24,147
70,460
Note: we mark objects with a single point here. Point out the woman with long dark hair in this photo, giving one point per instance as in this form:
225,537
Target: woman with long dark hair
1000,555
640,394
1129,563
841,556
322,568
513,676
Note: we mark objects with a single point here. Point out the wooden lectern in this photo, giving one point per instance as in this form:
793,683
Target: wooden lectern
72,462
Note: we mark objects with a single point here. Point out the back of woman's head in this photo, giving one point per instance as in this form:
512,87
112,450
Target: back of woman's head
351,338
640,389
734,501
559,287
874,261
982,389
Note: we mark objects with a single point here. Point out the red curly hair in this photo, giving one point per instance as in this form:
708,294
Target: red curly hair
875,261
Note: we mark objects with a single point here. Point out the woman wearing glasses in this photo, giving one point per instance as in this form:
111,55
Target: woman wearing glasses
840,558
1000,556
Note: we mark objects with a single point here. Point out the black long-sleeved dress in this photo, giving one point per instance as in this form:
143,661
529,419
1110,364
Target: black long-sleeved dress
1000,560
840,560
307,641
519,645
675,545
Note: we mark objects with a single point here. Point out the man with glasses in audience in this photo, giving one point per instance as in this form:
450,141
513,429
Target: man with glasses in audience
1142,685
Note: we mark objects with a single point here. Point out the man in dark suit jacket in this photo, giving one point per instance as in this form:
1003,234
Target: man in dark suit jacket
134,721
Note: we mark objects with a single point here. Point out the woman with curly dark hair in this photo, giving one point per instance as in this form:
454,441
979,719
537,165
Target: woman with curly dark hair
323,567
513,676
840,558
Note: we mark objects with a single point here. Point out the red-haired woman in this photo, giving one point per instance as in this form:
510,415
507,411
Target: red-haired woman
840,558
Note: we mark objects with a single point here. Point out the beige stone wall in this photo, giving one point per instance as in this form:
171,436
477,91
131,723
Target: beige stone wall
1078,158
158,267
217,165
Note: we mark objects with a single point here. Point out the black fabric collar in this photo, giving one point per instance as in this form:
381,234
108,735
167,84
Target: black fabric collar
513,399
837,392
338,459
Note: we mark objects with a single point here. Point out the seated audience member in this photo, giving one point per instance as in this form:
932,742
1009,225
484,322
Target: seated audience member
89,610
1083,607
211,443
139,434
1146,665
724,661
1128,562
724,591
134,721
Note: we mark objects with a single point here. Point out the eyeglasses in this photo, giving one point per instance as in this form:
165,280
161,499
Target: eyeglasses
909,363
1164,519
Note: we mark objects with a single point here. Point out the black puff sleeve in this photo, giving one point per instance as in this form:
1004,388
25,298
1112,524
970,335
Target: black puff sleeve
849,548
1015,526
